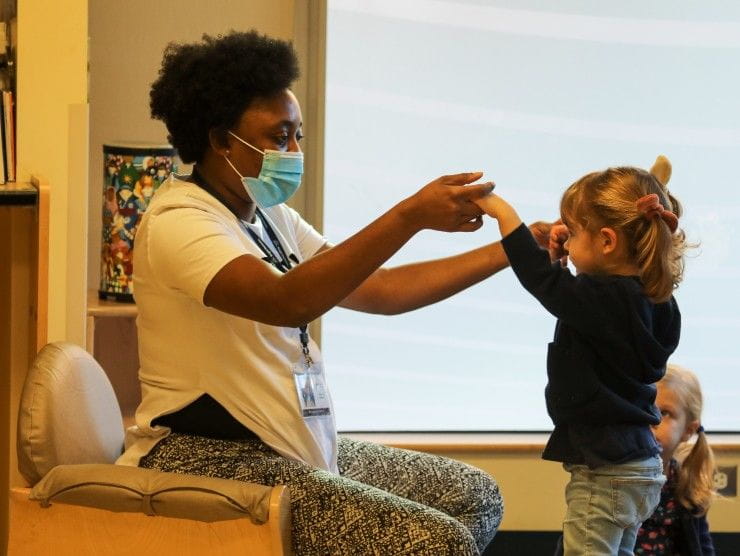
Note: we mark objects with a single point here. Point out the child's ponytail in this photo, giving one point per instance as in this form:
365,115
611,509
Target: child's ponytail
659,242
695,486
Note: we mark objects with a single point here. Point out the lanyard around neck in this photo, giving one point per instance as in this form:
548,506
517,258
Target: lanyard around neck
282,262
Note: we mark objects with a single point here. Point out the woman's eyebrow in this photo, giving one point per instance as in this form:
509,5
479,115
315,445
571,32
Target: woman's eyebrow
283,124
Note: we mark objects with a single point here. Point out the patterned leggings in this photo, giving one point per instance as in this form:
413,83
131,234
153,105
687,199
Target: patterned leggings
386,501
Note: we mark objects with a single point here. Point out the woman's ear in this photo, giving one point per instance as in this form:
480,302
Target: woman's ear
690,430
218,140
608,240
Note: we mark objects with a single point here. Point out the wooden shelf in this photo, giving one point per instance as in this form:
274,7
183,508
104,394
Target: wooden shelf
18,194
98,308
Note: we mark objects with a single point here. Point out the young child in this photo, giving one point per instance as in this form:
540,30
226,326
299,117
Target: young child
679,523
617,325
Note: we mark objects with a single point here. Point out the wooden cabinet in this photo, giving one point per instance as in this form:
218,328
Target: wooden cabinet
24,255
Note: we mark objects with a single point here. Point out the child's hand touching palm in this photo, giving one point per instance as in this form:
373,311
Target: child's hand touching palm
549,236
496,207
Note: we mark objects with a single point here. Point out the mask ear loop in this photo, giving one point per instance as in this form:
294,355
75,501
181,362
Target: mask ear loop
232,166
241,178
235,136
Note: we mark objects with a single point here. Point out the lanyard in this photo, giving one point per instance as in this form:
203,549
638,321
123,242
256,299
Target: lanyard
282,262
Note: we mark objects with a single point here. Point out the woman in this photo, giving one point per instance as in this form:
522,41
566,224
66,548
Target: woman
227,277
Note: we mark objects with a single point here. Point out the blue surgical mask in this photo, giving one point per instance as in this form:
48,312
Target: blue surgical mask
279,177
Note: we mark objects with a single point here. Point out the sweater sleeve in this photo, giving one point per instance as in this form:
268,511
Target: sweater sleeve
705,539
583,302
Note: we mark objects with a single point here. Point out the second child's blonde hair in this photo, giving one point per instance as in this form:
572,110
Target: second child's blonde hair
695,486
609,199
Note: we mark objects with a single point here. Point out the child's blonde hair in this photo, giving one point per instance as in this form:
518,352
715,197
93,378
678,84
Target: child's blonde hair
610,199
695,486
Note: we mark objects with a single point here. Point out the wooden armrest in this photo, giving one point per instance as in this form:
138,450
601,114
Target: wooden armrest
71,530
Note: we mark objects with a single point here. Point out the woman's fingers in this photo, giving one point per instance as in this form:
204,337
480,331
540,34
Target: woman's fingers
476,191
471,225
448,202
541,232
459,179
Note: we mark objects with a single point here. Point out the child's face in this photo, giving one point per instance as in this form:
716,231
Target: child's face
674,427
583,250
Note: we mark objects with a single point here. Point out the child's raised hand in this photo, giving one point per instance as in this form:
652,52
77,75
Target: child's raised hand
490,204
556,244
496,207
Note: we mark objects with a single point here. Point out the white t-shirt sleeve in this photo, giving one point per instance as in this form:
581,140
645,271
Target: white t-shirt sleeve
188,246
307,238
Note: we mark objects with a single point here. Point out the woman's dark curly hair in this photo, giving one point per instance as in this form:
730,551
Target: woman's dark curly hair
208,85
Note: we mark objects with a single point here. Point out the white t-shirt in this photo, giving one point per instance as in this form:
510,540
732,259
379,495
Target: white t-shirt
187,349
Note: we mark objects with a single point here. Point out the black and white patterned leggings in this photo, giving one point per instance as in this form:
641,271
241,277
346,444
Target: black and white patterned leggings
386,501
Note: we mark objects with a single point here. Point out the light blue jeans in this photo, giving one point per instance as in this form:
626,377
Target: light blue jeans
606,506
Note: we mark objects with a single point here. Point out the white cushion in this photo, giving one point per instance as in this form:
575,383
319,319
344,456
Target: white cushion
68,413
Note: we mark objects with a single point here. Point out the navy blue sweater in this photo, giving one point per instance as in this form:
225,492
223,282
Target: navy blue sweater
611,345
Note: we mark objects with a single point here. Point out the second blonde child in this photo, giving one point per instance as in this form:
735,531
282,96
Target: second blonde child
679,523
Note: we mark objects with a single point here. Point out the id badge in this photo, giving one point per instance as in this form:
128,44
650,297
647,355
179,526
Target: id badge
313,395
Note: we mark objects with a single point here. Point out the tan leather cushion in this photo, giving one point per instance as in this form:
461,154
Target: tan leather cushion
121,488
68,413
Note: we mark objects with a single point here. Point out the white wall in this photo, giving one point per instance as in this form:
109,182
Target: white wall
52,141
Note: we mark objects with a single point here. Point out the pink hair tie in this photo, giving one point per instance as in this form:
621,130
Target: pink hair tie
650,206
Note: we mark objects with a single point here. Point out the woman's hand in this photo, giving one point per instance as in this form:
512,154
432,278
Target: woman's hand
541,232
447,204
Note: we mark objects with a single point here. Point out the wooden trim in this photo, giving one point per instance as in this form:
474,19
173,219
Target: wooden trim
471,448
515,448
497,443
309,35
40,291
280,520
728,447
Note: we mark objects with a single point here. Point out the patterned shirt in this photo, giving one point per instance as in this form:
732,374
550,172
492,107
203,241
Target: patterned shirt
658,533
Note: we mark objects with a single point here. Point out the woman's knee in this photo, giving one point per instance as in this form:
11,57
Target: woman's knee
450,537
483,495
484,509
